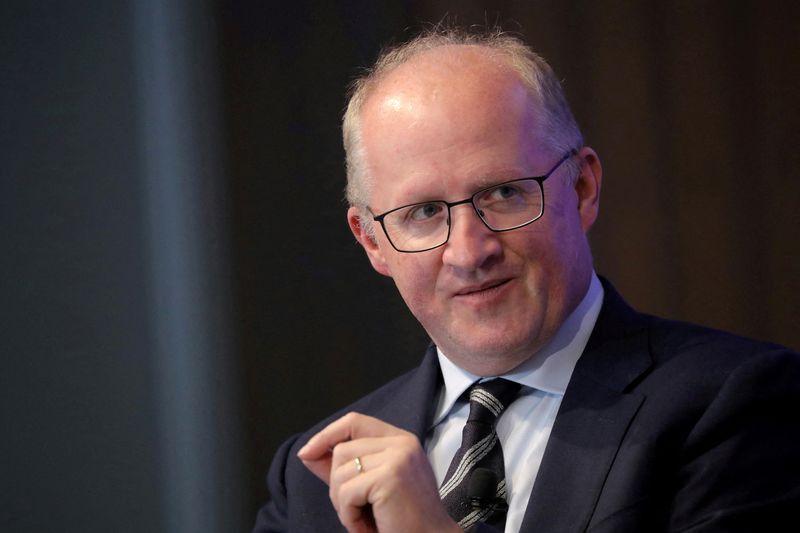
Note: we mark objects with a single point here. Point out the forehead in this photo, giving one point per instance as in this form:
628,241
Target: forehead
455,115
451,75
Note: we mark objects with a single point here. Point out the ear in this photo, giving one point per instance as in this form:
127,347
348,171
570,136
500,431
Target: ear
370,244
587,187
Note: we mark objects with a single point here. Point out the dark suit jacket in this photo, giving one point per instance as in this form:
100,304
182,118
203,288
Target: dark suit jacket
664,426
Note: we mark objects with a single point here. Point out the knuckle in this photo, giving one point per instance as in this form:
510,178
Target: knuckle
351,417
410,440
336,452
409,447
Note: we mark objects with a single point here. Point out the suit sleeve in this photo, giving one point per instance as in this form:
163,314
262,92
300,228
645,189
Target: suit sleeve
273,517
741,465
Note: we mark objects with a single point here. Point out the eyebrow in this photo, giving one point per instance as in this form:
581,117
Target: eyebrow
482,184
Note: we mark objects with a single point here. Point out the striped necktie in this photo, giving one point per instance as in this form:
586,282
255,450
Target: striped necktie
480,451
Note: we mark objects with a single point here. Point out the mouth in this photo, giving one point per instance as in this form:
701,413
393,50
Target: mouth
483,288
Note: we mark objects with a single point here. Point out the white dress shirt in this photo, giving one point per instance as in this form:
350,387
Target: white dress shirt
524,427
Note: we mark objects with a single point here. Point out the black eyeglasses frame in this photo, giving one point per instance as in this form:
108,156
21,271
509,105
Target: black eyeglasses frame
471,200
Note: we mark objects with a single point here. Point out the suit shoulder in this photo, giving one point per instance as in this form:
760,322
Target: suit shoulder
672,338
698,364
405,401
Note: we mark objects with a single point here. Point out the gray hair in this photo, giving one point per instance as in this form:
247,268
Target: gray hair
558,127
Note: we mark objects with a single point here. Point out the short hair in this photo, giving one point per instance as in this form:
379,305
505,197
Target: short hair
557,127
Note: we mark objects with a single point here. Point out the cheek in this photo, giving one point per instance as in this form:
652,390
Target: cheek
548,251
415,277
535,244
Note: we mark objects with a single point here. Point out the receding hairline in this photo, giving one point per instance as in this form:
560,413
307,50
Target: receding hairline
365,87
506,51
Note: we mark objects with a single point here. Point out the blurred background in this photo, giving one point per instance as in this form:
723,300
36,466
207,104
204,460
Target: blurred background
179,288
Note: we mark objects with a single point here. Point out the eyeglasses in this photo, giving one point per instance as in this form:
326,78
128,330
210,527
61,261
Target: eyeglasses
502,207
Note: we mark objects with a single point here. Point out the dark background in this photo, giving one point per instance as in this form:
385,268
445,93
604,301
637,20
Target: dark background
177,270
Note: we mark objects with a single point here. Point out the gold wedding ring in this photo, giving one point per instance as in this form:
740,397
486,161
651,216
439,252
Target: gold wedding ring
359,466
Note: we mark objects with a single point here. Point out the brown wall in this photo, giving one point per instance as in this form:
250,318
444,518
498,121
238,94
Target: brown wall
691,105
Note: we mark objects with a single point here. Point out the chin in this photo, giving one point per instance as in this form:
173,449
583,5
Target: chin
491,365
496,354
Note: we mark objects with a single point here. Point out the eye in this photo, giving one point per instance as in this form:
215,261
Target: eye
506,191
422,212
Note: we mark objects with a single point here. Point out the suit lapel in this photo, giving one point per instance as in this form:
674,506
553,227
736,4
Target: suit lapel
418,394
594,415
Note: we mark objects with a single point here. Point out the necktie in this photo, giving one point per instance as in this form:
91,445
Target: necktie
480,449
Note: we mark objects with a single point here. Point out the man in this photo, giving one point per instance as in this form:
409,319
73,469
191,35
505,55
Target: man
470,187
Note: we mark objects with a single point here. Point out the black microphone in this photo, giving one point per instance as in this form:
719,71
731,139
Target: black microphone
482,490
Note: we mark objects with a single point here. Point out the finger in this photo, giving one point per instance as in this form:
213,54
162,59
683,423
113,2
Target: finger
344,472
362,523
359,520
350,426
353,508
317,454
345,468
345,452
320,467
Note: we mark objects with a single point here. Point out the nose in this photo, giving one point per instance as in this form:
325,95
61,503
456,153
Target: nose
471,245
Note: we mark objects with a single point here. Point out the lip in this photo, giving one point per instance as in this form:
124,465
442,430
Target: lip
484,288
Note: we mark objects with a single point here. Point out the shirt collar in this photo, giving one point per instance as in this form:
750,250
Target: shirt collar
548,370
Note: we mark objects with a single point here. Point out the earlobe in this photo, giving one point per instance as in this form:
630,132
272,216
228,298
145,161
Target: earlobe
588,186
367,241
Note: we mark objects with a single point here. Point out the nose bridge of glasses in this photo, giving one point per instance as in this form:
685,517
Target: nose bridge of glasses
451,205
474,209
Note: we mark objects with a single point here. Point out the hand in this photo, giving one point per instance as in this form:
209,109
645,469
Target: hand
395,491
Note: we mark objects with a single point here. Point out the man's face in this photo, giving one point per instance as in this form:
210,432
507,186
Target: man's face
442,127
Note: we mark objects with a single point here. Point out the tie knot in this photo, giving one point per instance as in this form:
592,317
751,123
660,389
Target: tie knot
488,399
